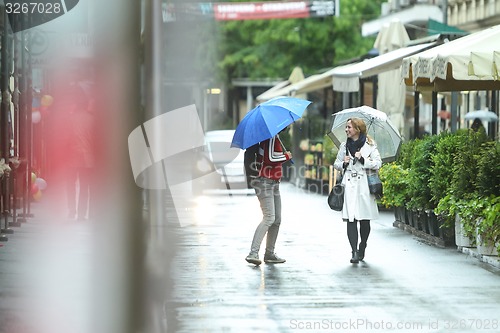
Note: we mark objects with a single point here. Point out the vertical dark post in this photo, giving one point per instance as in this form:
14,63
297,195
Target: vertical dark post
4,55
28,96
15,129
492,126
375,91
27,100
24,129
434,115
454,111
4,121
416,114
362,92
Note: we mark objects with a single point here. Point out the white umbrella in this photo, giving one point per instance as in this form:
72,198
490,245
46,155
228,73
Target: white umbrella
482,115
378,126
392,91
392,36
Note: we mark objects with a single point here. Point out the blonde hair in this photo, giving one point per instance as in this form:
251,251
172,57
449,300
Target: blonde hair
359,125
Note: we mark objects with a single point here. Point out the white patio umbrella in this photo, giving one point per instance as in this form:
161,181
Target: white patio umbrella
392,36
392,91
482,115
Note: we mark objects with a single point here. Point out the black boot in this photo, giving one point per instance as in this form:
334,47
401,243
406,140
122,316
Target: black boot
355,258
361,251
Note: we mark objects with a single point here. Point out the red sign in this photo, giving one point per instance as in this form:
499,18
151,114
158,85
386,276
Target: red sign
260,10
223,11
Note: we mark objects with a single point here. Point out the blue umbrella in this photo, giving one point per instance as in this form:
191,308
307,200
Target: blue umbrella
268,119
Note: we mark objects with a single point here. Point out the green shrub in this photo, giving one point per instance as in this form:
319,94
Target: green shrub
447,208
447,148
420,172
489,225
406,154
464,170
330,151
395,182
488,170
452,173
473,190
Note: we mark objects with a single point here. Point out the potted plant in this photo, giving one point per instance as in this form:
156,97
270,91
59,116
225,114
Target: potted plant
449,211
464,202
488,227
419,189
404,160
463,182
395,182
447,146
488,189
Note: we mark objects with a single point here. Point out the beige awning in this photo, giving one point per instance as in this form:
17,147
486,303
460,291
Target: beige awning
268,94
346,78
295,76
466,63
311,83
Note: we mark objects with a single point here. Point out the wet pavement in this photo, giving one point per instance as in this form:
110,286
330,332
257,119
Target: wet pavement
404,285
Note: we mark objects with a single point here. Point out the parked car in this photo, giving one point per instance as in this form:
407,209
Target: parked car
227,161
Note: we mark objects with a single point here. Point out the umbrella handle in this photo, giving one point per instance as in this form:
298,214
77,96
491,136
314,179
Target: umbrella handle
291,161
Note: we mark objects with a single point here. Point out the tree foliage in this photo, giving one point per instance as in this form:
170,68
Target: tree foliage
272,48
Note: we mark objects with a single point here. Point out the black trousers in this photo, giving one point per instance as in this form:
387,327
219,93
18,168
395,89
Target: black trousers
352,233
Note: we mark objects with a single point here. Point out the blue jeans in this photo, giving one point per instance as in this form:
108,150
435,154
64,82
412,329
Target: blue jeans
268,193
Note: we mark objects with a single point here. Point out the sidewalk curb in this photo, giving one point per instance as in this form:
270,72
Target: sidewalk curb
425,237
471,251
438,242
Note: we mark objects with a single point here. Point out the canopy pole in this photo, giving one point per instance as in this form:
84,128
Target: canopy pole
492,126
454,111
434,113
416,114
375,91
345,100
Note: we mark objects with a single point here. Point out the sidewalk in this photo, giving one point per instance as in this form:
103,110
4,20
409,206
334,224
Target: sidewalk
469,251
403,281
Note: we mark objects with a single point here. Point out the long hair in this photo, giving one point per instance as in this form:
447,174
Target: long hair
360,126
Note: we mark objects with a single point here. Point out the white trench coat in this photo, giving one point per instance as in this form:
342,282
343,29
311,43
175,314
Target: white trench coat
359,204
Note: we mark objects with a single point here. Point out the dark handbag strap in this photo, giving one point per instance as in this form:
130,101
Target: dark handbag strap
346,154
339,179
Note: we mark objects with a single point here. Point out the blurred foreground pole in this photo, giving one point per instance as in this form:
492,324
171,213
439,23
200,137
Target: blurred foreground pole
6,58
158,246
119,242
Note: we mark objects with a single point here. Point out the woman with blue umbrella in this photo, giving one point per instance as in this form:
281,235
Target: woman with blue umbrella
261,126
272,154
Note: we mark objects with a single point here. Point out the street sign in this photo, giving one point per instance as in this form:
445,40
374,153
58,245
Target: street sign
224,11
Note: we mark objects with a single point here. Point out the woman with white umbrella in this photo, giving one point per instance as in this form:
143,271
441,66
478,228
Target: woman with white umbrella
357,155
